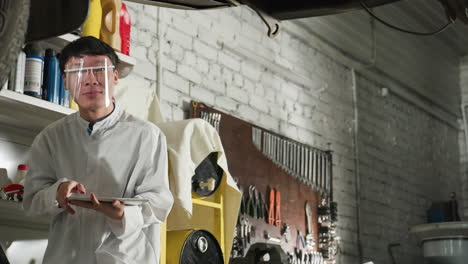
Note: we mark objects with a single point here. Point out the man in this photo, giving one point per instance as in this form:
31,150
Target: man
100,151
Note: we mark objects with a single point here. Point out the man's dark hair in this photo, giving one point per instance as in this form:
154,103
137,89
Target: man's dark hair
87,46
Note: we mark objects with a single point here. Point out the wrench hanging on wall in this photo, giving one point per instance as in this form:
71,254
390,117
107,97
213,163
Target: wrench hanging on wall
309,165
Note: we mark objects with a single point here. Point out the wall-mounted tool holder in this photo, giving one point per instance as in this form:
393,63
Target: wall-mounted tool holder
262,161
311,166
328,240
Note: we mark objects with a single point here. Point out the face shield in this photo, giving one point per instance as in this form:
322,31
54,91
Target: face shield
89,80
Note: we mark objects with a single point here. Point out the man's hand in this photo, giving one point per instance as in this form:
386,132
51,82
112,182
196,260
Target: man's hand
114,210
64,191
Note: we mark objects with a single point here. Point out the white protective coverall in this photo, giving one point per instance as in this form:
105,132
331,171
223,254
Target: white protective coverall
122,157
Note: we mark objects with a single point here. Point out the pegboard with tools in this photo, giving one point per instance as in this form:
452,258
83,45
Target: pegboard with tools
283,183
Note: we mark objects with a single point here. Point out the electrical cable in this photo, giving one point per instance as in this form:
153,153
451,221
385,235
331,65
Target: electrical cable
450,22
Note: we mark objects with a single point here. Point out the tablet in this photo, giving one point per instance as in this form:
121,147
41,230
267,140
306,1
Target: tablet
126,201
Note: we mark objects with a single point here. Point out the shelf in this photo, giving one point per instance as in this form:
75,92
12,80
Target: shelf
27,112
440,230
15,225
126,62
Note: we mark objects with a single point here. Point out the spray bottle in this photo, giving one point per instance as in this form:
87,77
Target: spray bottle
92,24
125,27
111,23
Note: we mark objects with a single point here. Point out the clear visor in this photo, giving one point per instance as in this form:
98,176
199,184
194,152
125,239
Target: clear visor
88,79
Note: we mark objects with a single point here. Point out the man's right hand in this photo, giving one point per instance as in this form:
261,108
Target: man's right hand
64,191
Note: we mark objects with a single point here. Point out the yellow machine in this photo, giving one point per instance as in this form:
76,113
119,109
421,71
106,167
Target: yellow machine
206,198
208,215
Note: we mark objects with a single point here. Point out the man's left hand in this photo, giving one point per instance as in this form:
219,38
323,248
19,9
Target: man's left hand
114,210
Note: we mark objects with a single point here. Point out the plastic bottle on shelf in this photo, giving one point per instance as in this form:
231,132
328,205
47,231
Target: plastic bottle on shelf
73,104
51,77
19,78
34,67
64,95
111,23
20,174
92,24
125,28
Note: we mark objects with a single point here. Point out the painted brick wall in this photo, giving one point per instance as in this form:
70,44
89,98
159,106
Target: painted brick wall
406,161
289,85
462,136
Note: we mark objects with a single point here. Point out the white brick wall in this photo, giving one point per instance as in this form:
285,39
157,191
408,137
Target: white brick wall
291,86
462,139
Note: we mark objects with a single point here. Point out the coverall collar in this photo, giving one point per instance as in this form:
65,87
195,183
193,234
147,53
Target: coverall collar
101,125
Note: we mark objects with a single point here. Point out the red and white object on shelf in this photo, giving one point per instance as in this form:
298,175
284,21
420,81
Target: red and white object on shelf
125,28
12,192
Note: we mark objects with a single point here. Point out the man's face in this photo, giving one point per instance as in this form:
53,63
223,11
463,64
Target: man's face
91,80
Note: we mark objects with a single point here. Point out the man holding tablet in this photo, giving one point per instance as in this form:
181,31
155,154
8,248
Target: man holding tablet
100,151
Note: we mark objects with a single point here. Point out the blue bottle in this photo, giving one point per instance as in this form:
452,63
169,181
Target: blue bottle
51,77
64,95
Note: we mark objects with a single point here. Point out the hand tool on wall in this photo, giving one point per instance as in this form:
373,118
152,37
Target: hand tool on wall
298,160
324,171
314,170
274,158
255,137
304,164
284,159
309,236
286,232
268,145
291,158
210,119
278,152
260,138
269,238
299,163
252,205
194,109
320,171
248,230
243,206
271,208
272,147
258,204
329,172
243,240
295,158
300,243
281,153
308,168
218,122
288,157
278,208
261,205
